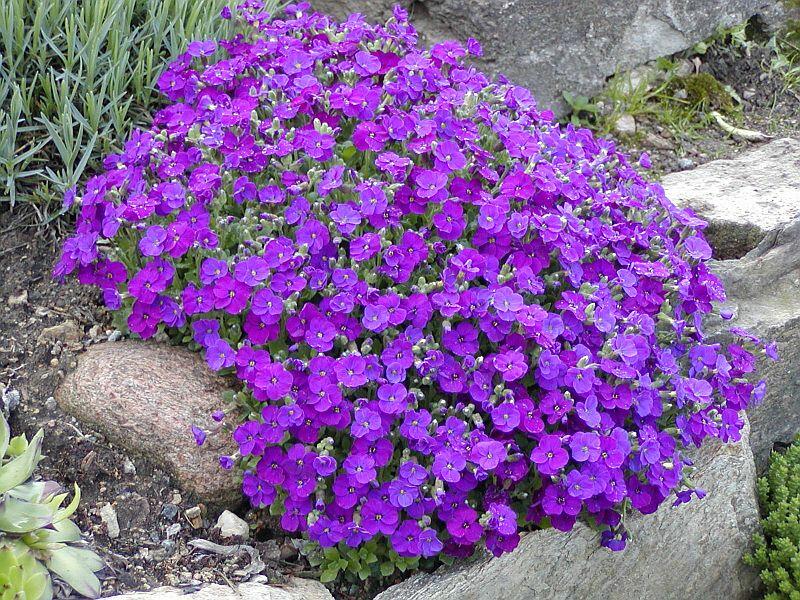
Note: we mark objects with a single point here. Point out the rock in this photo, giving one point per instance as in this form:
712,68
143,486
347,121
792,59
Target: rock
128,467
763,290
67,332
685,163
18,299
691,551
656,141
230,525
625,125
109,516
294,589
195,517
569,46
640,77
744,198
9,400
169,511
145,397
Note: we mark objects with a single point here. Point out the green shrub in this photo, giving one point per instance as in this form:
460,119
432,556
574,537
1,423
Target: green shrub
77,75
37,536
777,551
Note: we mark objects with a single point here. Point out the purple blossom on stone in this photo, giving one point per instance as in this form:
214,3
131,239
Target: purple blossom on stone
445,310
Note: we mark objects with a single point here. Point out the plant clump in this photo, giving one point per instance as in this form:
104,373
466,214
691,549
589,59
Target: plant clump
777,550
37,536
453,319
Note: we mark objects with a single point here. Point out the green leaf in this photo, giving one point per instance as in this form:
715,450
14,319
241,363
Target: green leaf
19,516
63,532
17,446
329,575
5,436
76,566
21,468
68,511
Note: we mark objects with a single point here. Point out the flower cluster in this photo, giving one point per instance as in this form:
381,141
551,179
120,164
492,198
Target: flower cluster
452,317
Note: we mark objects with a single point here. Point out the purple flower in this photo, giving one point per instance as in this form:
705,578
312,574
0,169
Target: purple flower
430,183
199,435
507,303
366,423
219,354
549,456
351,371
230,295
376,316
275,381
511,365
248,437
506,417
360,468
585,446
152,243
448,466
320,335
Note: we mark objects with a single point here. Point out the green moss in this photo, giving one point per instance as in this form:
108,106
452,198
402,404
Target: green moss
777,550
704,92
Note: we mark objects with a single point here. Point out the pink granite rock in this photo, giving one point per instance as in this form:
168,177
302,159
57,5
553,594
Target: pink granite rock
145,397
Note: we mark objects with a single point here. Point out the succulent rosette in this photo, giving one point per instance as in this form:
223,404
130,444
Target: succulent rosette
453,317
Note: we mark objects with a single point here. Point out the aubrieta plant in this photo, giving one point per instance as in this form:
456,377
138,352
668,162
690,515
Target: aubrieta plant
452,317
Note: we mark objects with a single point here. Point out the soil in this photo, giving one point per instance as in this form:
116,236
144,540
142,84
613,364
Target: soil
153,545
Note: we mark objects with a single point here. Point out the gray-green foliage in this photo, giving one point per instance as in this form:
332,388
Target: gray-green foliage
777,551
37,537
77,75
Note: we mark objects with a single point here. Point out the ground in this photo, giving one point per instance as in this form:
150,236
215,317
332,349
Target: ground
152,547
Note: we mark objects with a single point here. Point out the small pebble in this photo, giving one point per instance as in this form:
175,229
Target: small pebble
18,299
169,511
173,530
10,400
129,468
109,517
231,525
195,517
625,125
685,163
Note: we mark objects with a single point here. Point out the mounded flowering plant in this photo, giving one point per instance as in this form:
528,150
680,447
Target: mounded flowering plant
453,318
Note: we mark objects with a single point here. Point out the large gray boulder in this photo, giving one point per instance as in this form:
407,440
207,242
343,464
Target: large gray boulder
742,199
145,397
691,551
294,589
572,46
763,291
